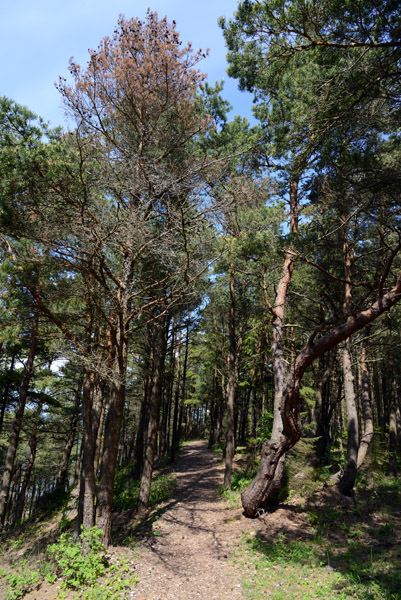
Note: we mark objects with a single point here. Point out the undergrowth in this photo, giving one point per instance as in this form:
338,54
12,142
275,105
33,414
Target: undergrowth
83,567
126,489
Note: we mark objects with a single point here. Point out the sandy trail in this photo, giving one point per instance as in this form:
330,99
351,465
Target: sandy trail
188,557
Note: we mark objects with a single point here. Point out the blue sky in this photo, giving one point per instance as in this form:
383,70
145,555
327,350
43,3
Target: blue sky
38,37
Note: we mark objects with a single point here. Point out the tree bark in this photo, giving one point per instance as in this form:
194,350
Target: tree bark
347,480
367,409
86,502
231,384
174,435
112,433
28,471
272,451
154,415
6,392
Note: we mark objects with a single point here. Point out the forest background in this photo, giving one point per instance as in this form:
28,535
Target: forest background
171,272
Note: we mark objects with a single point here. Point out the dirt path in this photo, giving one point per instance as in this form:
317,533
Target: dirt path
188,555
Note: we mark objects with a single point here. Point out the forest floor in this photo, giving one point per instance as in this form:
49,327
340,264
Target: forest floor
198,545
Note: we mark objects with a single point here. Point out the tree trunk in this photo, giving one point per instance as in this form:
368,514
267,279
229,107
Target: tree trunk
214,405
86,502
112,439
231,384
154,415
367,410
16,427
22,495
143,416
321,412
347,481
272,451
392,430
61,479
176,397
6,392
183,389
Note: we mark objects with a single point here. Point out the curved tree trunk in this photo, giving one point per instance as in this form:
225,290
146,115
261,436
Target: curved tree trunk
253,496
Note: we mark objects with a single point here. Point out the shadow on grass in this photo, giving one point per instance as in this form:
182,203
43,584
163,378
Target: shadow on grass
354,549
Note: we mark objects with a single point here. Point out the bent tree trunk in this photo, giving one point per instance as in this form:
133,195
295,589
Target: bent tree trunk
253,496
279,363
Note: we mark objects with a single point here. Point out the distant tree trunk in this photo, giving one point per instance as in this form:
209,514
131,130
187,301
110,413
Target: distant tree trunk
61,479
144,413
169,386
231,384
14,494
392,465
214,404
154,415
17,423
183,389
321,409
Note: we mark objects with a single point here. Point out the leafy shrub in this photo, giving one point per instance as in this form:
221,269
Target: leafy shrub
80,564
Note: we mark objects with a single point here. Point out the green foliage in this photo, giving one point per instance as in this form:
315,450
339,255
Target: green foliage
80,564
240,479
21,581
83,566
126,489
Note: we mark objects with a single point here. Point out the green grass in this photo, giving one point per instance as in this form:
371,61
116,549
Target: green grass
341,552
239,481
285,569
